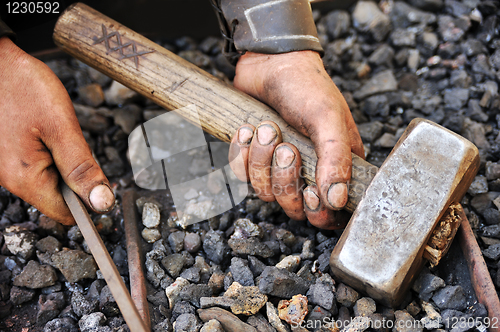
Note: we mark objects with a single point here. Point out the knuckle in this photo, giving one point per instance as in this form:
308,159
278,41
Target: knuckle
84,171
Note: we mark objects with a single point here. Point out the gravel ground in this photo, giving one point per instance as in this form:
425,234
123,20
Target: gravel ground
252,268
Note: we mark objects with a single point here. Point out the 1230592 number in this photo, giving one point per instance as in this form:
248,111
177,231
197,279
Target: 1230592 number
38,7
471,322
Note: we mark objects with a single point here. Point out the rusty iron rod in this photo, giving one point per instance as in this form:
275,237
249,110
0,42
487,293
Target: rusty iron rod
479,274
134,255
104,261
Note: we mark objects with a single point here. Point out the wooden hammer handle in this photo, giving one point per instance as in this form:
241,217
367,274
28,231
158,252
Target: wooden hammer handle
173,83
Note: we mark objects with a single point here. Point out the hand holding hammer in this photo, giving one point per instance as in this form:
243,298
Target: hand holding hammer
381,249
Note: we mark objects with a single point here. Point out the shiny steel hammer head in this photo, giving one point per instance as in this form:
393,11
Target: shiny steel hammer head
380,251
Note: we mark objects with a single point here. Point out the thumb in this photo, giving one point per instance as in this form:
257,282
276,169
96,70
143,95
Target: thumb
73,158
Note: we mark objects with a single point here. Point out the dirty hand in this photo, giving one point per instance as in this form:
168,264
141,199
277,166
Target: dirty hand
297,86
40,138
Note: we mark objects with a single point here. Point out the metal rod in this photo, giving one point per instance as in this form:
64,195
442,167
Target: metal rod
479,274
134,255
104,261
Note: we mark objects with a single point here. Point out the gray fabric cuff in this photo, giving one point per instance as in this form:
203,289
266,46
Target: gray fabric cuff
266,26
6,31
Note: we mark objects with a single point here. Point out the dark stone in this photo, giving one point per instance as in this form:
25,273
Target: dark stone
49,244
346,296
281,283
337,23
408,82
193,293
450,297
492,231
20,295
192,274
377,106
252,246
182,307
75,265
49,306
256,266
426,284
187,323
174,264
81,305
492,252
491,216
370,131
321,294
241,272
107,303
428,5
403,15
383,55
454,121
36,276
215,246
456,98
61,325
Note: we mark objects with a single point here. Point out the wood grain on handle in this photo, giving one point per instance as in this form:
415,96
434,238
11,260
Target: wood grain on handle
173,83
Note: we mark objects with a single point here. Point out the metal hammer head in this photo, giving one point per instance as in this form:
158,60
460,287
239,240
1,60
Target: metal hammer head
380,251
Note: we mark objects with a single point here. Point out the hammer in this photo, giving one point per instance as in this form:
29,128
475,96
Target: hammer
380,251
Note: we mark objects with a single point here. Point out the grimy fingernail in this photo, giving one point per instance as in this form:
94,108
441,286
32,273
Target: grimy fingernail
245,135
102,198
284,156
337,195
266,134
311,200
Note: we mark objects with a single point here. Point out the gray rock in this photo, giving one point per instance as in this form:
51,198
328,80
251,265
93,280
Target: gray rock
260,323
36,276
492,170
91,322
127,117
448,29
212,325
65,324
404,322
174,264
176,241
492,231
321,294
482,201
192,274
377,105
403,15
256,266
383,55
251,246
20,241
75,265
370,131
192,242
428,5
81,305
403,38
281,283
450,297
317,316
182,307
49,244
367,17
491,216
163,326
193,292
365,306
150,215
241,272
49,306
426,284
91,94
337,23
346,296
492,252
118,94
187,323
107,303
478,186
20,295
379,83
456,98
216,247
